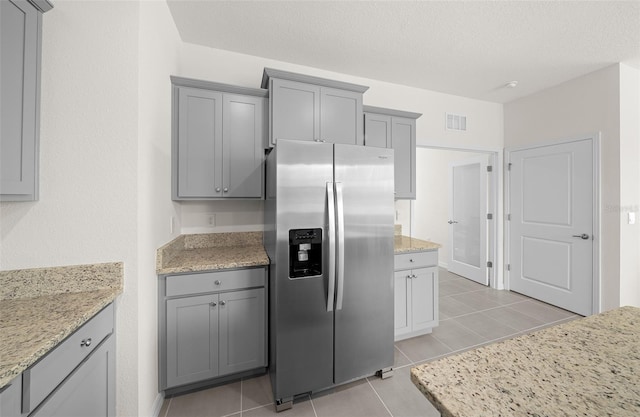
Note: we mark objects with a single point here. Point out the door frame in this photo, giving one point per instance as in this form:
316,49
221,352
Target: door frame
595,139
495,205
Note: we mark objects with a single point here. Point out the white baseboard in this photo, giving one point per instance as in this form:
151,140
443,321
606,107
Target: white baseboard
157,405
443,264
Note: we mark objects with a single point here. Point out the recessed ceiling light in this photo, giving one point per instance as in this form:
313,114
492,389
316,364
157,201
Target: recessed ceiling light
511,84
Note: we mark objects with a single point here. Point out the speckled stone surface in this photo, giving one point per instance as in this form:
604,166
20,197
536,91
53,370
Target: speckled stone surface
202,252
34,318
36,282
587,367
406,244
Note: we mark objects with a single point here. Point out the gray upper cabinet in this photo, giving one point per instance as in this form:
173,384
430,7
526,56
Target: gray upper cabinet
21,37
218,137
395,129
310,108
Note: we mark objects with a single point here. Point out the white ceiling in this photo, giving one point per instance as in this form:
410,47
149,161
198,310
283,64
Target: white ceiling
470,48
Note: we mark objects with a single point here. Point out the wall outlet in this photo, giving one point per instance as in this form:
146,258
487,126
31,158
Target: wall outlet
211,219
172,224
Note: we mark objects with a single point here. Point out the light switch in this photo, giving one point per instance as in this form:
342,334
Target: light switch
632,217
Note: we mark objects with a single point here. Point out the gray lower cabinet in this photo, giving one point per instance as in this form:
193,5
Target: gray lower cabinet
213,324
218,140
21,37
416,294
388,128
309,108
76,378
89,390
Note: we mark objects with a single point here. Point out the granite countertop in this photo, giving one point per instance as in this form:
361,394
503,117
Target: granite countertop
406,244
40,307
587,367
210,251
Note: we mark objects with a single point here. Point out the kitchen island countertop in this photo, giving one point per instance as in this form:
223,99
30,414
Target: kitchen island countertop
40,307
587,367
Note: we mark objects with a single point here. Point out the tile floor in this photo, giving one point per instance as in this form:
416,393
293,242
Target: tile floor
471,315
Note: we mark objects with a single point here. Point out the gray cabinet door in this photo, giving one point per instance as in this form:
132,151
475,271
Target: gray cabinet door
10,398
295,110
402,302
423,296
242,146
403,142
377,130
20,37
199,143
242,331
341,116
89,390
192,339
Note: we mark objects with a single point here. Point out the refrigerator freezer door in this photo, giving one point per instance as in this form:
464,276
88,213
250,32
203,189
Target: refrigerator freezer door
301,326
364,325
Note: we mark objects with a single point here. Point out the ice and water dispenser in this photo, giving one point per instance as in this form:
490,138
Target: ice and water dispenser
305,253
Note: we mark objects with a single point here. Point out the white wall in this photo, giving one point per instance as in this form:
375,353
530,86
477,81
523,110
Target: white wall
585,105
484,119
629,185
158,58
88,162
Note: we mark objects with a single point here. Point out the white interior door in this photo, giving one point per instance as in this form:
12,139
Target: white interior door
551,191
468,219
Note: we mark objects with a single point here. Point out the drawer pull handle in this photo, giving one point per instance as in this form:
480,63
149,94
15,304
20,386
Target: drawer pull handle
223,302
217,282
86,342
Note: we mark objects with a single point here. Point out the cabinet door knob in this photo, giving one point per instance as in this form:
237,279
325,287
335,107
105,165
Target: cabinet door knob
213,304
86,342
217,189
226,190
409,276
217,282
222,303
410,260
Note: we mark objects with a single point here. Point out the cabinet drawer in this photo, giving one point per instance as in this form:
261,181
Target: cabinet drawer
43,377
415,260
215,281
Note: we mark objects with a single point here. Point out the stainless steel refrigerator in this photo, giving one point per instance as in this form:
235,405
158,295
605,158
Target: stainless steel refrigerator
329,215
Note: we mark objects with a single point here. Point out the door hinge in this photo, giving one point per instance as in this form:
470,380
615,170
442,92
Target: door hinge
508,267
489,216
489,264
489,168
509,166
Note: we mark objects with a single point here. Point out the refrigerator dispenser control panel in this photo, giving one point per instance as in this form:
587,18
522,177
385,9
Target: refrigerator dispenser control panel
305,253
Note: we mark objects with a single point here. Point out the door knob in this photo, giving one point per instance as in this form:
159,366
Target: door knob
226,190
222,303
452,221
217,189
582,236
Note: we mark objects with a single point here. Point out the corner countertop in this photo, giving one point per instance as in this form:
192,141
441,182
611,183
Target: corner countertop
211,251
40,307
587,367
406,244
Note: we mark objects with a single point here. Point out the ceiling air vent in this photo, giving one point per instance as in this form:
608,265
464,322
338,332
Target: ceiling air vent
456,122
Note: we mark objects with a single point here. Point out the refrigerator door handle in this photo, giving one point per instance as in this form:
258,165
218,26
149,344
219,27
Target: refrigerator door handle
340,243
331,211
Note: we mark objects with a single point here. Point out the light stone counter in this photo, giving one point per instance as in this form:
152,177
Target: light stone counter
40,307
202,252
587,367
406,244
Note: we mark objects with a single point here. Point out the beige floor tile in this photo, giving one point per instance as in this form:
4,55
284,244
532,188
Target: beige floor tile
212,402
422,348
401,396
256,392
357,399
